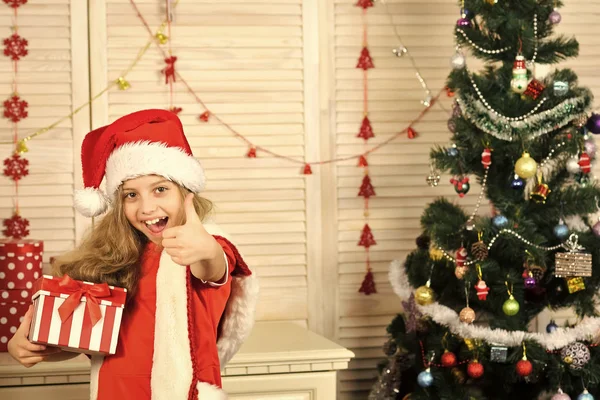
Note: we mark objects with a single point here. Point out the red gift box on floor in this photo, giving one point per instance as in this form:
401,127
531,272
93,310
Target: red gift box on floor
14,304
78,316
20,263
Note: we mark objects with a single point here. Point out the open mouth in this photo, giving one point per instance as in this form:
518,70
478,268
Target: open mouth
156,226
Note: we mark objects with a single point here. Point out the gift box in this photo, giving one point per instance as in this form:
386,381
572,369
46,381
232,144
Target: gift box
77,316
14,305
20,263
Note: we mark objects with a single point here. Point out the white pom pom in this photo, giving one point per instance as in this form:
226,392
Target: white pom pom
91,202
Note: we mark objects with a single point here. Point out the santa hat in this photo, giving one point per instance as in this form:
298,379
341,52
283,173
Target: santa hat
148,142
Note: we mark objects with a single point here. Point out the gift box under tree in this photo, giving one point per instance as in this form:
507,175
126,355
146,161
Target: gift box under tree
78,316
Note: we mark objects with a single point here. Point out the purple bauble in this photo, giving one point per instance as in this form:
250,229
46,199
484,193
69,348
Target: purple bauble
590,148
464,23
596,229
554,17
456,111
452,126
530,282
593,124
561,396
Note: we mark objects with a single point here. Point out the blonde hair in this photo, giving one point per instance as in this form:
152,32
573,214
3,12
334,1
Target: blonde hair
110,252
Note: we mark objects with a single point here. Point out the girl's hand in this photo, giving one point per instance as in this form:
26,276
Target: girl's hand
25,352
190,243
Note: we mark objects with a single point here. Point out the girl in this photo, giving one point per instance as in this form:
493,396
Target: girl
191,296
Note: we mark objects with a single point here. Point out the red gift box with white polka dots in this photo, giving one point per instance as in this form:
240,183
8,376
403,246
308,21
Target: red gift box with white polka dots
20,263
14,305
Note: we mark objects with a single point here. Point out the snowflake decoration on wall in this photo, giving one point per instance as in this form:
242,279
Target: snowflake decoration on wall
16,167
15,3
15,47
15,109
16,227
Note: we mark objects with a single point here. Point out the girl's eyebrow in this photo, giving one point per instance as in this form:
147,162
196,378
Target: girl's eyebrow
152,184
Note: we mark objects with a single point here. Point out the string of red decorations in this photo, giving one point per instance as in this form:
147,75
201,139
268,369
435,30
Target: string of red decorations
170,60
447,360
15,109
366,190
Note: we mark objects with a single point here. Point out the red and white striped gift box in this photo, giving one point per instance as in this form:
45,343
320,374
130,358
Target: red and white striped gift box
63,317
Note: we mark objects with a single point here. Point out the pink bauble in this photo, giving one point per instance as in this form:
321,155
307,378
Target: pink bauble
554,17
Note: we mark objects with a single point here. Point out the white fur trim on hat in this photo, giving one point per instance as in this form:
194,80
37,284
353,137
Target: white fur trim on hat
210,392
132,160
90,202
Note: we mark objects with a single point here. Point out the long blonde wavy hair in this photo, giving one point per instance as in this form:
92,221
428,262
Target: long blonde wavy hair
110,252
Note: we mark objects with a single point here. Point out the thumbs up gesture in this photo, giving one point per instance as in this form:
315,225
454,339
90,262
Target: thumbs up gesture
190,244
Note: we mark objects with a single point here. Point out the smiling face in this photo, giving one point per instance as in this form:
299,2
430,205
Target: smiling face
152,204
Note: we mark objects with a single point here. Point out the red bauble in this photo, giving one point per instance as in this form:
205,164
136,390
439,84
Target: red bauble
16,167
524,368
15,108
448,359
15,47
16,227
475,369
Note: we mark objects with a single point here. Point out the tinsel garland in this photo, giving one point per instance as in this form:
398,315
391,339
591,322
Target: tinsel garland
446,316
530,128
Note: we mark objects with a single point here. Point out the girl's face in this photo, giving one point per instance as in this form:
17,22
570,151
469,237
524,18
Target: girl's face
152,204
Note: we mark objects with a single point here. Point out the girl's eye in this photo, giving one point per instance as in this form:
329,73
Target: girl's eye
161,189
130,195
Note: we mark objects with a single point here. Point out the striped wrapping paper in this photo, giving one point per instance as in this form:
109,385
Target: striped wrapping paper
76,333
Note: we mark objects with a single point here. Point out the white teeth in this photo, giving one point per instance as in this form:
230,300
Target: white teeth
153,221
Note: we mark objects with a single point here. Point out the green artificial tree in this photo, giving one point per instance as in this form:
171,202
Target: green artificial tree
475,282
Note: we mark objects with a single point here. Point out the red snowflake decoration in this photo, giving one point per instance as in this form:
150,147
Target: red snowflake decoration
176,110
16,227
15,109
16,167
15,3
15,47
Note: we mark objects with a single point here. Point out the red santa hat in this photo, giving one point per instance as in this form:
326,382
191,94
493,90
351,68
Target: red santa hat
148,142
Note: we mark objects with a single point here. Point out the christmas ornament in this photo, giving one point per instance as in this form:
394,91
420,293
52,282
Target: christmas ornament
585,395
581,120
461,257
461,185
460,272
411,133
472,344
574,262
433,179
524,367
367,286
456,110
425,379
435,253
365,62
366,237
593,124
366,188
448,359
411,313
540,192
428,101
561,231
15,47
161,37
390,348
517,183
467,315
251,152
590,147
15,227
498,353
534,89
451,125
561,396
366,131
458,375
365,3
510,306
486,157
308,171
573,165
575,284
452,151
463,22
122,83
519,80
526,167
175,110
400,51
169,70
479,248
362,161
424,295
554,17
491,2
500,221
576,355
481,287
458,61
551,327
529,282
585,163
15,3
15,167
561,88
204,116
15,109
475,369
21,147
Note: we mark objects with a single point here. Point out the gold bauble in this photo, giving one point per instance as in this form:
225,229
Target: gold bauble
424,295
467,315
460,272
436,254
526,167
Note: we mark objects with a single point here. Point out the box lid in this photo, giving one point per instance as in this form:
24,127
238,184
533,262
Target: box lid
48,285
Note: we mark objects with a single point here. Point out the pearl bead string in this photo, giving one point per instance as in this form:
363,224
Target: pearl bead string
549,156
511,232
481,49
480,198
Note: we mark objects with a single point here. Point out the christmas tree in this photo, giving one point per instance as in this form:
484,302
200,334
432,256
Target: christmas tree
475,282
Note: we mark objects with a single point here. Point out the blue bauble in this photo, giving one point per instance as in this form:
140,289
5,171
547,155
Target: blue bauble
561,231
551,327
500,221
585,396
425,379
517,183
452,151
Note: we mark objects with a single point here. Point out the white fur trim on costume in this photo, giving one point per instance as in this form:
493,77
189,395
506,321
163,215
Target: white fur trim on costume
96,363
238,318
448,317
171,340
90,202
132,160
210,392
